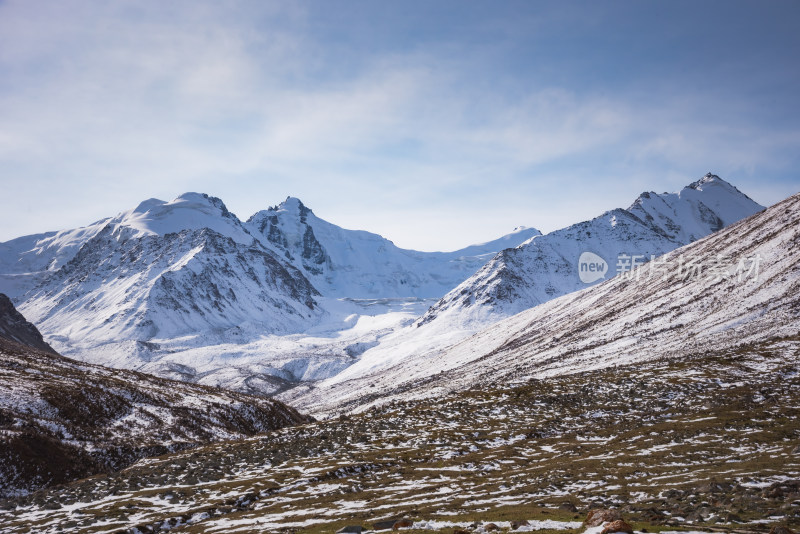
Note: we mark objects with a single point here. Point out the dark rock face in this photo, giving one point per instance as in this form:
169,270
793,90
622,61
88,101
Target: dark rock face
313,255
14,327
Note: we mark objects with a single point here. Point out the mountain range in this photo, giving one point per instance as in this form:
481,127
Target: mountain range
666,398
185,289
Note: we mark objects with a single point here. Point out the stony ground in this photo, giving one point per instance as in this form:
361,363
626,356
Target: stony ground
708,442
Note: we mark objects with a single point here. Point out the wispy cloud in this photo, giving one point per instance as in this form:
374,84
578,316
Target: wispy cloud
102,105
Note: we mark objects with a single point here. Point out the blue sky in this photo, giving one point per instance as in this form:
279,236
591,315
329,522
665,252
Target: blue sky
436,124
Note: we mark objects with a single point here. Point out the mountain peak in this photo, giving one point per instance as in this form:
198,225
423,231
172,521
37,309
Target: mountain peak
709,178
201,200
189,211
293,205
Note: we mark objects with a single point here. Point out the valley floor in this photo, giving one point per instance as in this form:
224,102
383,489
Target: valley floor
710,440
246,359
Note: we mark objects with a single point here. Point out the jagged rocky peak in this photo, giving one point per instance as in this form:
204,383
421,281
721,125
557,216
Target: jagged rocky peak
294,205
14,327
289,227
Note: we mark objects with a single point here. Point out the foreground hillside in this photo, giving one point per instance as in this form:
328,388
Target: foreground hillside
14,327
712,439
61,420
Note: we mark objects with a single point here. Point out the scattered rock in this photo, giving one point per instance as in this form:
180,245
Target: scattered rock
568,506
618,526
385,525
490,527
780,529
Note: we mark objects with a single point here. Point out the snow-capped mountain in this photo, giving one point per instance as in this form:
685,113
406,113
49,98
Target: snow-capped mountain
184,289
549,266
168,269
741,290
359,264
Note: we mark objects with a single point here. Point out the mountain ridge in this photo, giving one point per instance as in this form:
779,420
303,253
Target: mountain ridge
544,268
361,264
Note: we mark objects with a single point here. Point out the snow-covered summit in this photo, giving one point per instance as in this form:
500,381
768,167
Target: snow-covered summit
698,209
26,261
547,266
166,269
189,211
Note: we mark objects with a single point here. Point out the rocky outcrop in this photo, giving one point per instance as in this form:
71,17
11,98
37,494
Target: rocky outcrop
14,327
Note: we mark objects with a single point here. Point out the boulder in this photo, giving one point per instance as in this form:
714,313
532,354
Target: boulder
780,529
350,529
618,526
598,516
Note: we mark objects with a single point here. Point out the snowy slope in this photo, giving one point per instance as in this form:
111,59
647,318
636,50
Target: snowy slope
167,269
667,312
28,260
547,266
359,264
